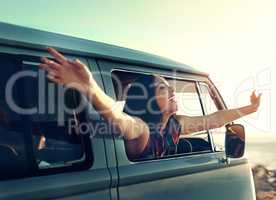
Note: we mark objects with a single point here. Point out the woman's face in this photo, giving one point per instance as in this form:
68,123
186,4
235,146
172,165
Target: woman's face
165,96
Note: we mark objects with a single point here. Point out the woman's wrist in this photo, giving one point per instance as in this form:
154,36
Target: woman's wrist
246,110
91,88
253,107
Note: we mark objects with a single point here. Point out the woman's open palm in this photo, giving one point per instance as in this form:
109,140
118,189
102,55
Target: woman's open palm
72,74
255,100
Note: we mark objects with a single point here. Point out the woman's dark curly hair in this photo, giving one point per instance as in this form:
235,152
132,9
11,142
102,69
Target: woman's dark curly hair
141,101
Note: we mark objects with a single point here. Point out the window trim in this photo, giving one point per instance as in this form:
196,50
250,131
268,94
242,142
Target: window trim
148,73
220,103
210,136
216,102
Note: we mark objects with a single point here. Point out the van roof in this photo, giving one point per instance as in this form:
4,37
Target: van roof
15,35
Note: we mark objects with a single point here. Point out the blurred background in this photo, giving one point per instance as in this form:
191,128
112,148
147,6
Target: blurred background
234,41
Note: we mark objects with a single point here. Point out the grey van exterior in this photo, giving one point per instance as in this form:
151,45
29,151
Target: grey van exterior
112,175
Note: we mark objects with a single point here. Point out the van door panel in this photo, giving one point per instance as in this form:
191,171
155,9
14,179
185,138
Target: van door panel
193,177
57,186
221,183
89,184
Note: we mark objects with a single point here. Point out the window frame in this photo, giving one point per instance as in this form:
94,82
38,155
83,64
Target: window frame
176,77
34,170
219,103
210,137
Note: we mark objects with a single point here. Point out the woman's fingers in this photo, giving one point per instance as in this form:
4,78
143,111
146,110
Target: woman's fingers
60,58
54,65
51,64
255,99
77,63
53,78
51,67
72,62
259,97
253,94
53,73
44,66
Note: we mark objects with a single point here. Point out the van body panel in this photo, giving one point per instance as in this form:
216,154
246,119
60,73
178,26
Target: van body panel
111,160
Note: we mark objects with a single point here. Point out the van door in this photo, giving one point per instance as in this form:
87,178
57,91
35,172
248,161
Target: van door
45,157
192,174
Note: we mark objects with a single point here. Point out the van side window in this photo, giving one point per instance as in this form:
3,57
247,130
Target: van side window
218,134
188,103
50,114
56,142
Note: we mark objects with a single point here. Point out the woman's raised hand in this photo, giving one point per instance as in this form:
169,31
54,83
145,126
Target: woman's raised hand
73,74
255,100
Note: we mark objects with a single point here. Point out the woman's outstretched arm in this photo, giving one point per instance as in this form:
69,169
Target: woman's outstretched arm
76,75
219,118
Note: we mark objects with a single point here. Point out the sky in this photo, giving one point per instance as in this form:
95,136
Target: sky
234,41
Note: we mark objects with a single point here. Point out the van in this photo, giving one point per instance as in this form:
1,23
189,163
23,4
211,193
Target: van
41,158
